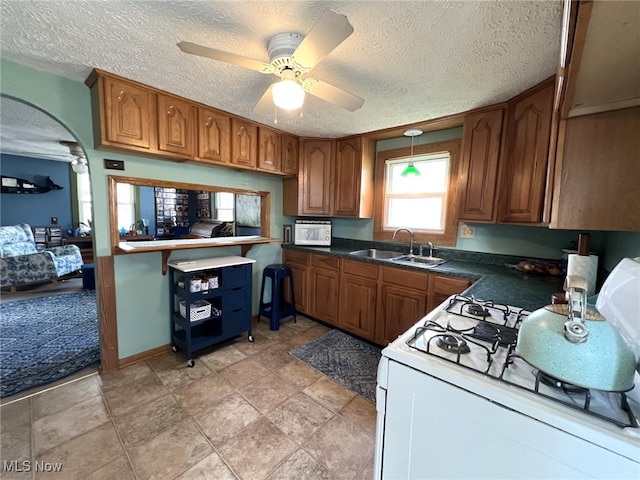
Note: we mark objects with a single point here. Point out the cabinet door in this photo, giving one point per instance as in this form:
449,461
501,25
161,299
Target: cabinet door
315,177
269,149
526,157
481,139
213,136
401,309
129,111
244,143
593,194
176,126
347,173
323,295
299,275
290,154
298,262
444,287
358,305
355,158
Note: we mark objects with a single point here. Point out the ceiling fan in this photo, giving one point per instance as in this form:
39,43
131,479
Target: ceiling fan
291,57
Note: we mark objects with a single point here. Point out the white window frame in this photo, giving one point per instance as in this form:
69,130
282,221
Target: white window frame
444,195
83,188
226,213
129,203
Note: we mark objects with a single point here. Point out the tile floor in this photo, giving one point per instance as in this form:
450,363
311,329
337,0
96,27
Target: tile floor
245,411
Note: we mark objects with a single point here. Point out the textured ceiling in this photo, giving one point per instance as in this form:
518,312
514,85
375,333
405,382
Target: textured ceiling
410,61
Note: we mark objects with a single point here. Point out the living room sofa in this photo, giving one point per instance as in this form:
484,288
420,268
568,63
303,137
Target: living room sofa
22,264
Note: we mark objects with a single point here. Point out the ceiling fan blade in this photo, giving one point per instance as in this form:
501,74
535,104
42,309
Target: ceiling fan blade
332,94
201,51
266,102
329,31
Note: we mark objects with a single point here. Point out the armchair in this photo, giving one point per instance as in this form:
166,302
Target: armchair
21,263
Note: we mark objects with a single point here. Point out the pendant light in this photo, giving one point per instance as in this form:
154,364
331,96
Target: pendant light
411,170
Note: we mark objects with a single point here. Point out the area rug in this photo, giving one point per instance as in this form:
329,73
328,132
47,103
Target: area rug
347,360
45,339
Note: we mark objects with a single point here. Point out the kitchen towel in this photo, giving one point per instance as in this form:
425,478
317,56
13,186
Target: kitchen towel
585,266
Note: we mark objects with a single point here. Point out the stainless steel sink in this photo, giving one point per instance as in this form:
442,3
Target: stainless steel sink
419,261
375,253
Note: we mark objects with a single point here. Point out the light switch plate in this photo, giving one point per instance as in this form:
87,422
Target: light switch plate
113,164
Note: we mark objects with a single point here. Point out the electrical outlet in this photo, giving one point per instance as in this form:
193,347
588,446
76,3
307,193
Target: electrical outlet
466,231
54,220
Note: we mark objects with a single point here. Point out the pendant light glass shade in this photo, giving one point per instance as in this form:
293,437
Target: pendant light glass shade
288,94
411,170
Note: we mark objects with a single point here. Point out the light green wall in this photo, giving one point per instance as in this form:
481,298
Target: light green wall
618,245
141,289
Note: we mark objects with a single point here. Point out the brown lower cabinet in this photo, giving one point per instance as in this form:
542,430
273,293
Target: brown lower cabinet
443,287
324,279
374,302
358,298
403,302
299,263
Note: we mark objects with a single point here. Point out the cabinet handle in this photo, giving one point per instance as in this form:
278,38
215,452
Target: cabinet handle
236,310
237,288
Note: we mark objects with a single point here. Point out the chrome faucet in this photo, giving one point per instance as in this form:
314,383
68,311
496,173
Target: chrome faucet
411,239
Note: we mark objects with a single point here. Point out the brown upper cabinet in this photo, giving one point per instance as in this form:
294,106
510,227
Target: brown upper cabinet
526,155
597,179
214,143
125,113
244,143
315,181
290,154
505,159
132,117
176,126
269,149
335,179
481,138
354,166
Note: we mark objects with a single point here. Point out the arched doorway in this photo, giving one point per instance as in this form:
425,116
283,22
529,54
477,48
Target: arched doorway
36,146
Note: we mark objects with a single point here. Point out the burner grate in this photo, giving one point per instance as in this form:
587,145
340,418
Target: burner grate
486,344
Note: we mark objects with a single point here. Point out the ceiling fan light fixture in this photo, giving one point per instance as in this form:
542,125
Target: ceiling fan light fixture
79,167
411,170
288,94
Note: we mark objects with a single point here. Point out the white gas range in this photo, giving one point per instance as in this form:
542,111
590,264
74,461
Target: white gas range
455,400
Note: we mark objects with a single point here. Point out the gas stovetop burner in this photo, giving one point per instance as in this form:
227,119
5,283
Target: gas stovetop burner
492,332
452,343
478,310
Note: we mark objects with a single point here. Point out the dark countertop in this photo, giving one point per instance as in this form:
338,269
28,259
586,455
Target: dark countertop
492,281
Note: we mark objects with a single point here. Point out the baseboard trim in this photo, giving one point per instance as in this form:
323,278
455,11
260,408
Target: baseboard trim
154,352
142,356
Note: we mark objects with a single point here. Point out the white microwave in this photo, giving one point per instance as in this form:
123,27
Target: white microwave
313,232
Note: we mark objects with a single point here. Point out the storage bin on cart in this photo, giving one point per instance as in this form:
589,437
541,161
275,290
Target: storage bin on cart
199,309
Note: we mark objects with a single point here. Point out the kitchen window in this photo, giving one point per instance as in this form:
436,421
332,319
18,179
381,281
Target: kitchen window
427,204
84,198
126,206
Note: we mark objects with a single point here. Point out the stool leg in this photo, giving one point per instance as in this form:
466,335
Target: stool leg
293,299
274,320
261,306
